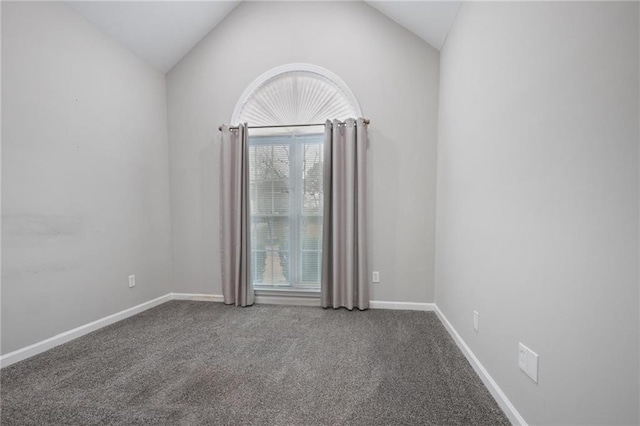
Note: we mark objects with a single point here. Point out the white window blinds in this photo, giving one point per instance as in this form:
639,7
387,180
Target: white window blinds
286,193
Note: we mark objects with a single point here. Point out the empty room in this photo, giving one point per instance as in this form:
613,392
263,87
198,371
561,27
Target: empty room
320,213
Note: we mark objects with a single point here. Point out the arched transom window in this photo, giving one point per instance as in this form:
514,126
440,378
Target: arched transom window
296,94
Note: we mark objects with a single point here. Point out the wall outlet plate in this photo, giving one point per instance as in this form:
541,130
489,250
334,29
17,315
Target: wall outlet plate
376,277
132,281
528,362
532,365
522,357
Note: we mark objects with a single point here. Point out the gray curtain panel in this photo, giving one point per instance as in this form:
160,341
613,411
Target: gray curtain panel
344,257
235,225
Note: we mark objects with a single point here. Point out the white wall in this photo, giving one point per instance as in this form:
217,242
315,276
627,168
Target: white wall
393,74
85,189
537,214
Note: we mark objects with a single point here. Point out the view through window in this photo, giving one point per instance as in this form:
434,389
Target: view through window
286,178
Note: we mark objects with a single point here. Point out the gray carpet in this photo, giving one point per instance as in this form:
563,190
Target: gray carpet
205,363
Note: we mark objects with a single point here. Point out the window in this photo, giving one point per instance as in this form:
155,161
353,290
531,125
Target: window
295,94
286,207
286,170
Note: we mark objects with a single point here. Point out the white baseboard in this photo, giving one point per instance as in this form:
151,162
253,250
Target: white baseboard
284,300
288,300
509,409
402,306
198,297
271,299
262,299
45,345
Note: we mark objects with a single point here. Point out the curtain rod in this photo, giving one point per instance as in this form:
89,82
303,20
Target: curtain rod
365,121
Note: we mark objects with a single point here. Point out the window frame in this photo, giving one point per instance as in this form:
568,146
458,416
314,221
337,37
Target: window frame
296,144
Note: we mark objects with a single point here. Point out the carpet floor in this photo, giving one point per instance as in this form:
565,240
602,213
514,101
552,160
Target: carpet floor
192,363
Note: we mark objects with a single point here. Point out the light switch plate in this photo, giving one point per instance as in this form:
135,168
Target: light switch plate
476,320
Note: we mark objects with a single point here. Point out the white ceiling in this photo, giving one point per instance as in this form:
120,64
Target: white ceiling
429,20
162,32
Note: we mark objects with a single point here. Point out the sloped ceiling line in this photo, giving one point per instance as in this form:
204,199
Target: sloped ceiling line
163,32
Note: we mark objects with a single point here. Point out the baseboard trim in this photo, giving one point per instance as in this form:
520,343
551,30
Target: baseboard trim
288,300
67,336
263,299
401,306
198,297
269,299
509,409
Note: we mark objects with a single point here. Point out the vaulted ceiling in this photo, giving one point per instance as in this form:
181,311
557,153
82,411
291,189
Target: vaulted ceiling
162,32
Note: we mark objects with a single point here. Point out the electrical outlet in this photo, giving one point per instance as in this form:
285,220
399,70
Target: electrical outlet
476,320
132,281
522,357
528,361
376,277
